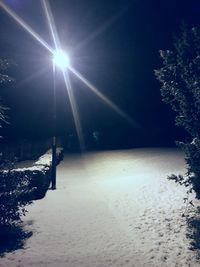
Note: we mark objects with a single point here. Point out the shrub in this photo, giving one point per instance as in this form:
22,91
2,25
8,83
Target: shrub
14,192
14,196
180,78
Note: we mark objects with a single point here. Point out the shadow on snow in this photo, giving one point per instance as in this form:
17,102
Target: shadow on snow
194,231
12,238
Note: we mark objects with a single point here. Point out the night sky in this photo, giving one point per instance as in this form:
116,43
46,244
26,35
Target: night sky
115,45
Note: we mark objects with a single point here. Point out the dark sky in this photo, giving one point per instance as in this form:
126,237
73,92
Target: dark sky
114,44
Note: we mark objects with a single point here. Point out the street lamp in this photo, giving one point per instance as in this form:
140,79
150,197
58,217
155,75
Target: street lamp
60,60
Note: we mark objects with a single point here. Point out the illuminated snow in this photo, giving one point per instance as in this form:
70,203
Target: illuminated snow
110,209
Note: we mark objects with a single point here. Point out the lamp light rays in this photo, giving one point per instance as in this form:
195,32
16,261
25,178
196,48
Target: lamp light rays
74,110
61,59
25,26
104,98
103,27
51,23
66,67
32,77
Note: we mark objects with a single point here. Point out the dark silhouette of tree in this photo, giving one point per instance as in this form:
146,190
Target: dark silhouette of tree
180,78
4,78
15,190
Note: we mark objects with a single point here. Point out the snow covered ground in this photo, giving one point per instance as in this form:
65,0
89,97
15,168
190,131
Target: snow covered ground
110,209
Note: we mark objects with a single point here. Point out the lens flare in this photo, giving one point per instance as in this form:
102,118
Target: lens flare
32,77
104,98
74,109
51,23
61,59
103,27
25,26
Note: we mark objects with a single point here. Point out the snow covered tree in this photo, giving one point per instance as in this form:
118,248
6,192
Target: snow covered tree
180,78
4,78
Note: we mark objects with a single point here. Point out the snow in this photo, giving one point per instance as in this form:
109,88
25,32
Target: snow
40,168
110,209
46,159
39,165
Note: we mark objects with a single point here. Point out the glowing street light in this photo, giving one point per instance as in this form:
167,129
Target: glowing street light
61,60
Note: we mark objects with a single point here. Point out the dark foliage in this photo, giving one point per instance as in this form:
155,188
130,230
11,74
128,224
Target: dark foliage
180,78
13,189
12,238
14,196
4,78
194,231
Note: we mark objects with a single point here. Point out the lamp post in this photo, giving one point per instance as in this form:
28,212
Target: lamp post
60,60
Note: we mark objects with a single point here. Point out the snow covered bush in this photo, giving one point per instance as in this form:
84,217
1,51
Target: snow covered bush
13,188
36,178
18,187
180,78
13,198
46,159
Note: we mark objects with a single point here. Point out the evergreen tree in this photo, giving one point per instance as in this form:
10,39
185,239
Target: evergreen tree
180,78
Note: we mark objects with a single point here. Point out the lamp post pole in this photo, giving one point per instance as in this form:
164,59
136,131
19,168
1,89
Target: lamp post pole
53,181
61,60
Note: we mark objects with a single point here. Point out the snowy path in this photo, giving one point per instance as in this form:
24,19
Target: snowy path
110,209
